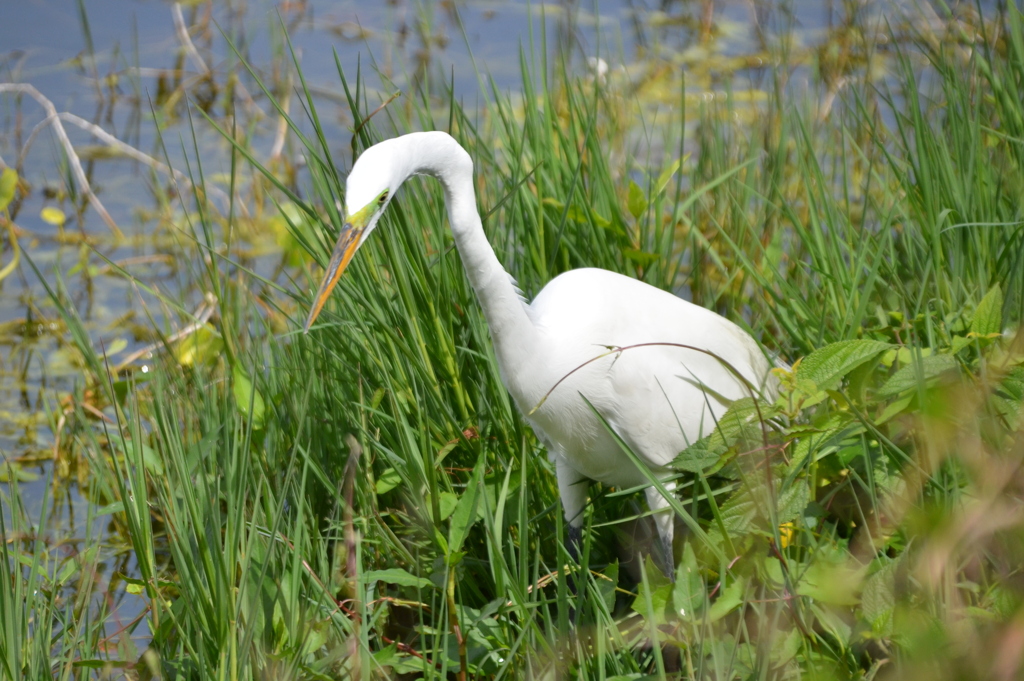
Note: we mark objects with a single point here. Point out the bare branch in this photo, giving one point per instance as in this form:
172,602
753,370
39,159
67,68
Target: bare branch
125,149
136,155
186,39
53,118
201,316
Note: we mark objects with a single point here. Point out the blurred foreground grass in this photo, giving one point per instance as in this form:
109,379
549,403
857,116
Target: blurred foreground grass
364,502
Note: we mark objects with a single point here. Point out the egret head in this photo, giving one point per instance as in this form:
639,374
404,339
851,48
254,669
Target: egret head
372,182
374,179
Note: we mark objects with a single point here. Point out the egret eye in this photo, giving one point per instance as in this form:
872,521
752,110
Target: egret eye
383,199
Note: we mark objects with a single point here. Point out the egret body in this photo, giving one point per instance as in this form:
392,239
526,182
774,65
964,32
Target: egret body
658,397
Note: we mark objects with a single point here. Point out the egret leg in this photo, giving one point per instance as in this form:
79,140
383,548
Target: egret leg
572,488
664,521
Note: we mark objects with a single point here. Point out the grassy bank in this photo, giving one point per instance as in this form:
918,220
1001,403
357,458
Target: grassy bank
366,502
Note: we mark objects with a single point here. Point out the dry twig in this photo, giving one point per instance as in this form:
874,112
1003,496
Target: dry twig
53,118
122,148
186,39
201,316
136,155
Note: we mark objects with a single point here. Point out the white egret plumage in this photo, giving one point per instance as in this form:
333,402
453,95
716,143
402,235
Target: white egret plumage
657,396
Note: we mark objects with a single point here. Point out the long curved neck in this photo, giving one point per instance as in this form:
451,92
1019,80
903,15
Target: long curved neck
511,328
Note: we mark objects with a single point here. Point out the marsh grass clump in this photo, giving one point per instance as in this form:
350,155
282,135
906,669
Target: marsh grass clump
365,502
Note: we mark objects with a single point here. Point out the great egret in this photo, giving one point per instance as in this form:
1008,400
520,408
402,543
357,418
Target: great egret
657,396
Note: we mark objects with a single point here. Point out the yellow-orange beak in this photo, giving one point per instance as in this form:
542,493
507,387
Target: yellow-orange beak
348,243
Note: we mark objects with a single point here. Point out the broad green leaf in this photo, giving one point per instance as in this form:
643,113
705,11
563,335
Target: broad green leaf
774,572
54,216
150,458
399,663
6,270
122,387
988,318
742,422
378,397
906,355
789,502
445,451
805,394
447,502
893,409
688,593
1002,600
980,615
738,512
465,511
821,436
657,588
387,481
133,585
291,228
879,598
8,183
666,175
1009,396
642,258
70,567
832,580
730,599
12,472
135,589
386,656
785,649
116,346
579,216
959,343
701,455
314,637
397,576
409,664
830,620
247,396
754,502
739,426
584,218
116,507
636,202
205,345
828,365
792,501
607,586
917,374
